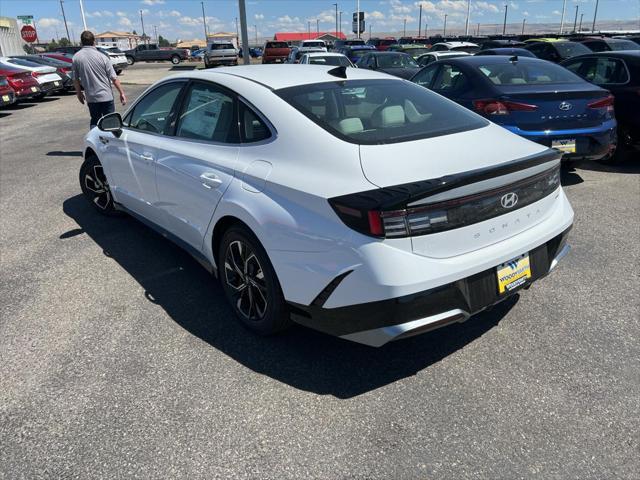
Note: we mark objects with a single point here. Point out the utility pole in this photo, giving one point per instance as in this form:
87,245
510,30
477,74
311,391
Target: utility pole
358,18
466,25
575,20
504,25
155,31
478,30
340,22
420,21
369,31
237,32
580,27
308,29
317,27
84,20
256,27
595,14
204,22
336,5
144,36
64,17
444,30
564,5
523,22
426,27
245,36
404,32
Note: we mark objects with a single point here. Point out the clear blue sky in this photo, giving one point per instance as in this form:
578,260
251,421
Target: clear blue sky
182,19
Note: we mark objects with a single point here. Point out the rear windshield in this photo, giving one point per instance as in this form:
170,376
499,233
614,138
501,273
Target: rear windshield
521,73
330,60
353,42
222,46
622,45
24,63
372,112
470,49
313,44
571,49
277,45
417,51
396,60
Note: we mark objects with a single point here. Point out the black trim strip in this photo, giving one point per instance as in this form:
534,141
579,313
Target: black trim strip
326,292
398,196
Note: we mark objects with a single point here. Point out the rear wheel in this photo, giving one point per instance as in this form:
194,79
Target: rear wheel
130,60
95,186
206,63
175,59
250,283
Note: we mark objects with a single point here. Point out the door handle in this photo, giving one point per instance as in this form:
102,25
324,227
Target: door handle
210,180
147,157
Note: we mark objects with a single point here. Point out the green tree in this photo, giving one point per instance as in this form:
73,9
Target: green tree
64,42
163,42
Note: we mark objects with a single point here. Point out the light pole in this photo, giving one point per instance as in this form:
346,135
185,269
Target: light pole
444,30
144,36
155,31
340,22
595,14
204,22
466,25
317,27
308,29
237,32
65,21
504,25
404,32
523,22
336,5
256,27
84,21
478,30
245,35
369,31
580,26
575,20
564,5
358,18
420,21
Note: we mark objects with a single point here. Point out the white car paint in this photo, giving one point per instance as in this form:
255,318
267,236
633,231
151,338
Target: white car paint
280,188
312,44
306,58
443,46
118,60
435,56
45,74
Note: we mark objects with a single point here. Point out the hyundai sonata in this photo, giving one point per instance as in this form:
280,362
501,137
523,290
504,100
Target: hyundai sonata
349,201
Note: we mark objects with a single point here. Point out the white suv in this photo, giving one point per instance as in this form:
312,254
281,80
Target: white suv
346,200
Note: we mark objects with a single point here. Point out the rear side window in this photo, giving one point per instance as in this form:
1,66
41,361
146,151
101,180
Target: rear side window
330,60
373,112
252,127
526,73
601,71
208,114
153,113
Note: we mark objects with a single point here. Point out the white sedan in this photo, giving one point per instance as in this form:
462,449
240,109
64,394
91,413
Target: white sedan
326,58
46,77
343,199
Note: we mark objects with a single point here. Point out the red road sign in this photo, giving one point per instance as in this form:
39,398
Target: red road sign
28,34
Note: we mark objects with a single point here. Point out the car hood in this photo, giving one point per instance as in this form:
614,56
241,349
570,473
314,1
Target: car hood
405,73
405,162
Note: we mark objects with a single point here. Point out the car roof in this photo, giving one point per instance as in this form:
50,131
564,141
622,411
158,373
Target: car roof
633,55
285,75
474,60
324,54
457,44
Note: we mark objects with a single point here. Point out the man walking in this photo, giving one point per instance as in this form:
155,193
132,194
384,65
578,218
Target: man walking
94,71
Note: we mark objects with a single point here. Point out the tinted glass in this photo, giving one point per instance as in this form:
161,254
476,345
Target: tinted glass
313,44
396,60
276,45
152,113
605,70
222,46
525,73
208,114
416,51
252,127
24,63
450,79
622,45
379,111
470,49
425,76
356,54
330,60
597,46
570,49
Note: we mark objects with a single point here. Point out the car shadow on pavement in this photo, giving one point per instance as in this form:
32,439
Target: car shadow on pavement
299,357
569,176
60,153
631,166
20,106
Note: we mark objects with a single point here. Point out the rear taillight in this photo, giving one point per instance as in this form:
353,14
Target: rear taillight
501,107
606,102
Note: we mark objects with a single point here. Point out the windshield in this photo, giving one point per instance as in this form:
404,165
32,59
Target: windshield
469,49
396,60
357,53
277,45
331,60
353,42
622,45
416,51
521,73
571,49
380,111
318,43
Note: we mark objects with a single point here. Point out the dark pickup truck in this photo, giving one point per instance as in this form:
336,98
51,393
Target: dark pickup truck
152,53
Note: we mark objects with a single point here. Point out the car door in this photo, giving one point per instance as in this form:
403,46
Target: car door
200,161
425,77
130,158
453,83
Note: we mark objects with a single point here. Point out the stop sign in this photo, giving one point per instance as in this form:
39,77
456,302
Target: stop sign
28,34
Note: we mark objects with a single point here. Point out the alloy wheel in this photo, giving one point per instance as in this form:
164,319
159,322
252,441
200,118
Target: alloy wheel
97,186
245,277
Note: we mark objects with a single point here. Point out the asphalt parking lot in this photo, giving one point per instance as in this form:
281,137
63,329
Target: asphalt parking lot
119,357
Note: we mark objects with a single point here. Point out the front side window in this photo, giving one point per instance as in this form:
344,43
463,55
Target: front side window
450,79
534,72
396,60
153,113
373,112
208,114
571,49
425,76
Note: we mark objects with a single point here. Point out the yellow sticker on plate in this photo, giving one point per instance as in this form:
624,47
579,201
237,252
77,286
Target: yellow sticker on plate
565,146
513,273
5,98
34,89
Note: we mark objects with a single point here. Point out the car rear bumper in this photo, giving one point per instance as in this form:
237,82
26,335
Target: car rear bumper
51,86
274,59
591,143
376,323
28,92
227,60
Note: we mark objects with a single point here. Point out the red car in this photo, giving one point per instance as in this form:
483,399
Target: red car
23,84
7,95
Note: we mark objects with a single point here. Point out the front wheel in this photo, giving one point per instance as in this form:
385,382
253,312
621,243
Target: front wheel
95,186
130,60
250,283
175,60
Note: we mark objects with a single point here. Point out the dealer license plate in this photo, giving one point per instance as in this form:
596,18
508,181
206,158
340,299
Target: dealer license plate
513,274
34,89
5,98
567,145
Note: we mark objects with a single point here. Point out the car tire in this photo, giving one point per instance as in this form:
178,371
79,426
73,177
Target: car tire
130,60
95,187
118,72
206,63
175,59
250,283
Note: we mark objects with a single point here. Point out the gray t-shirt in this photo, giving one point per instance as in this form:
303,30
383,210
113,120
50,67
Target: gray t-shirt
95,72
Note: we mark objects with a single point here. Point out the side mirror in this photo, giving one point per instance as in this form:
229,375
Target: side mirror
112,122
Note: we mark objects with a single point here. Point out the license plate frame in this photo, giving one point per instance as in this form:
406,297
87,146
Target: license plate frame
564,145
513,274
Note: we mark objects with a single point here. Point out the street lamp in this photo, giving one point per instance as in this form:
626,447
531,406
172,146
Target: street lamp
336,5
504,25
444,30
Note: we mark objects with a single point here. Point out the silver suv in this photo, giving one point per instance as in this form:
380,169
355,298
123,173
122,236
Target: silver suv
220,53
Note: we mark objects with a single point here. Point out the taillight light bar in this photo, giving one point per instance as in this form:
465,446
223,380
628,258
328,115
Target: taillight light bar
606,102
501,107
